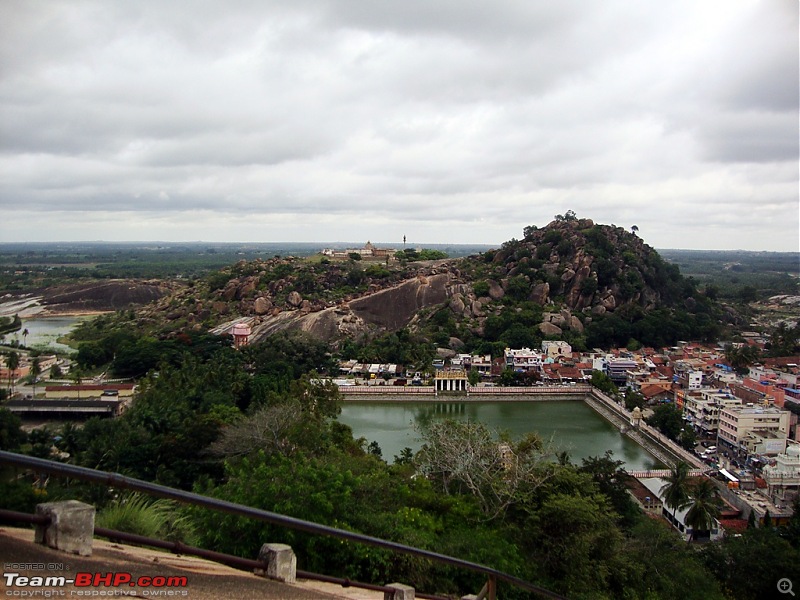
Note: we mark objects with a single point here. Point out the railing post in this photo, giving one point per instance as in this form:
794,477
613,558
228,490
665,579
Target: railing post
400,591
492,588
71,527
280,562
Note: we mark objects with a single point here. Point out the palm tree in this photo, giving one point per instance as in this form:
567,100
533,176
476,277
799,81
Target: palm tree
12,362
634,229
676,488
705,509
36,370
25,336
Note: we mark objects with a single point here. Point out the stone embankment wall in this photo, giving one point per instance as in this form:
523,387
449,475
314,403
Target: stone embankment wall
427,393
660,446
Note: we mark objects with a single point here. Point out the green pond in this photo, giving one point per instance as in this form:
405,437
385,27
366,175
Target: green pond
573,425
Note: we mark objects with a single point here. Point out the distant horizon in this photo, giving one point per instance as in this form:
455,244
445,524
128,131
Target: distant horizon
351,243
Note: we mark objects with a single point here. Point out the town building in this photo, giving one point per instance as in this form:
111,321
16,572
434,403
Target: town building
702,408
522,360
783,477
451,381
677,517
555,349
736,422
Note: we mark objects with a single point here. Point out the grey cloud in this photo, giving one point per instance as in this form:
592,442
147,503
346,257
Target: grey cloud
488,115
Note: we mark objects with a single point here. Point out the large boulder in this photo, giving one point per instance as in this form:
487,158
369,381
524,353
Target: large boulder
550,329
496,292
540,293
575,324
294,299
262,306
457,304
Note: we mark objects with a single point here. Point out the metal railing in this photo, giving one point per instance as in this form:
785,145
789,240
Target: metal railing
230,560
116,480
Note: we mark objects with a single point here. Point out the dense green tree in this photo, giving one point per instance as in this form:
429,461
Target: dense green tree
784,340
750,565
741,357
609,475
667,418
574,538
12,435
603,383
634,400
654,563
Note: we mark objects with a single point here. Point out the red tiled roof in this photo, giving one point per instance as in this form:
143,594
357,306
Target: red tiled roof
734,525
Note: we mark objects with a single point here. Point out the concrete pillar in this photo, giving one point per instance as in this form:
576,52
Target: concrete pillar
71,527
401,592
281,562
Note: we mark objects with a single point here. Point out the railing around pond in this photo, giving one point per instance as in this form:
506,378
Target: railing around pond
116,480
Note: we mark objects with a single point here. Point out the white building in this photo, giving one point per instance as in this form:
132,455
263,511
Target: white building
736,422
783,478
556,349
678,518
702,409
523,360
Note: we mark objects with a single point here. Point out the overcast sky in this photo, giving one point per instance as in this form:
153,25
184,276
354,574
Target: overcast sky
448,121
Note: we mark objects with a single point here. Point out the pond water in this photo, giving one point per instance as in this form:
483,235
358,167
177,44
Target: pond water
574,426
43,333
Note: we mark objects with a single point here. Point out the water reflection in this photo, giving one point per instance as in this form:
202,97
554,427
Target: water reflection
572,425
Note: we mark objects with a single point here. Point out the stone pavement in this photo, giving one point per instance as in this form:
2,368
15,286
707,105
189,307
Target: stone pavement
205,580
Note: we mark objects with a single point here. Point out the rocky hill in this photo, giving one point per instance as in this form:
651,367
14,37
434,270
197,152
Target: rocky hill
558,279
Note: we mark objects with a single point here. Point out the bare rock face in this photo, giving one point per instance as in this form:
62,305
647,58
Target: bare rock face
550,329
599,310
229,292
457,304
540,293
247,287
609,302
575,324
495,291
557,319
294,299
456,344
476,308
262,306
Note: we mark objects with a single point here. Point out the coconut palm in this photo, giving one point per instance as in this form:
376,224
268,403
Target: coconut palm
36,370
676,488
12,362
705,508
25,336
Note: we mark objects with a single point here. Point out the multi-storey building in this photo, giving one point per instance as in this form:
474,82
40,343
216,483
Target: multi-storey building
523,360
617,368
736,422
702,409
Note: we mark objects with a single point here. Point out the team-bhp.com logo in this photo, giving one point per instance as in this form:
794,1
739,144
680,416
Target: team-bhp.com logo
94,584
